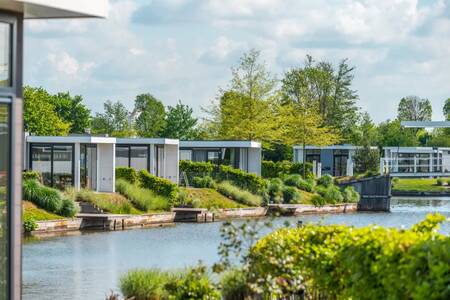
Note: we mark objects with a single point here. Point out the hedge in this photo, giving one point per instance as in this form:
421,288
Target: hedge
161,186
196,167
345,262
270,169
244,180
129,174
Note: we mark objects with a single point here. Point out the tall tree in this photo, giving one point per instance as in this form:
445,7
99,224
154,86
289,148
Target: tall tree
180,123
413,108
150,121
72,110
113,121
332,91
247,109
40,116
446,109
300,117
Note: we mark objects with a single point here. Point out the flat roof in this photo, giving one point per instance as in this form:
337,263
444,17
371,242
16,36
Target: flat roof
220,144
332,147
48,9
86,139
426,124
146,141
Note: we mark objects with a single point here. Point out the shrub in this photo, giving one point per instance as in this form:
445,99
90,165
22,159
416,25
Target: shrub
144,284
192,284
333,195
203,182
68,208
160,186
345,262
142,199
244,180
395,180
129,174
440,181
291,195
44,197
29,224
350,195
241,196
318,200
326,180
448,181
33,175
297,181
234,285
275,190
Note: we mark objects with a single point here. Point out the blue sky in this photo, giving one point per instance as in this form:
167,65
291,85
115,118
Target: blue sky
183,49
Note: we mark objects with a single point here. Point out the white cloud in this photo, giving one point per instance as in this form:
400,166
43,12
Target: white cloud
183,49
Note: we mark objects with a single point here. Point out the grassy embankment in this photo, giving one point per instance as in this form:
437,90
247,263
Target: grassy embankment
420,185
30,210
209,198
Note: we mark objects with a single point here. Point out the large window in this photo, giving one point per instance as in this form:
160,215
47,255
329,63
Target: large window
5,54
4,169
54,162
134,156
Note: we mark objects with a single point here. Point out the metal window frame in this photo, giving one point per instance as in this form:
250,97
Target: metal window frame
52,160
129,152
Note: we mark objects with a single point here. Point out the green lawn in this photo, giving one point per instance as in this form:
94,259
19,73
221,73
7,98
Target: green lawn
31,211
210,198
419,185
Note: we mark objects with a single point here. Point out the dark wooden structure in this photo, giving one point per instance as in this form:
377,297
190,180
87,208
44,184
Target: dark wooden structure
375,192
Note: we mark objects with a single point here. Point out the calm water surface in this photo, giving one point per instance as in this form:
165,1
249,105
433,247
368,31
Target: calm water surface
88,266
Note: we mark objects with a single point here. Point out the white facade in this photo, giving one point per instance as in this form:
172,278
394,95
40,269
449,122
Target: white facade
244,155
90,162
416,161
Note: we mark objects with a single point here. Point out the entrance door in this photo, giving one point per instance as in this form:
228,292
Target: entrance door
88,166
340,165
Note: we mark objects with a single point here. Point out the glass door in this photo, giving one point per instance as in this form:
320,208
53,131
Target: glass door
340,165
88,166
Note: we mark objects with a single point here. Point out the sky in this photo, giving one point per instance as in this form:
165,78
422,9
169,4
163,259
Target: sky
184,49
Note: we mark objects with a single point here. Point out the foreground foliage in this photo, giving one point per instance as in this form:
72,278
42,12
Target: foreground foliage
353,263
52,200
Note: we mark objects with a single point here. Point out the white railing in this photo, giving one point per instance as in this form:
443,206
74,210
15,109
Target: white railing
414,165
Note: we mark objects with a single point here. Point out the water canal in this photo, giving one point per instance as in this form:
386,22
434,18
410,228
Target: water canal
88,266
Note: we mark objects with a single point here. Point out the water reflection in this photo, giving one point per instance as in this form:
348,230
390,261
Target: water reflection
87,266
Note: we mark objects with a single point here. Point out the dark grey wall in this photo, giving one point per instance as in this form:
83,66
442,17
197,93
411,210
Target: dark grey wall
326,158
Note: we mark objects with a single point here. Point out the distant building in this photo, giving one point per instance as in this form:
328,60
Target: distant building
416,161
244,155
335,160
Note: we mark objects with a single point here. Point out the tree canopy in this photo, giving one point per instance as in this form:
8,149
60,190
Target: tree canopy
180,122
40,115
113,121
150,120
413,108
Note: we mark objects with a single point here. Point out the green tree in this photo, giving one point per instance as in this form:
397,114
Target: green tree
332,91
413,108
247,110
40,116
446,109
300,117
113,121
72,110
367,159
150,121
364,132
180,123
391,133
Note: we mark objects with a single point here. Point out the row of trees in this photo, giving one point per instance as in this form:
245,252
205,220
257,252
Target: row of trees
313,103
